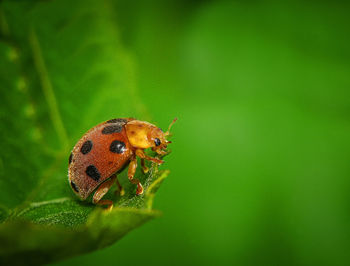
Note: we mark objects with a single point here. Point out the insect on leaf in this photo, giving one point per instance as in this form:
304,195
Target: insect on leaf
62,70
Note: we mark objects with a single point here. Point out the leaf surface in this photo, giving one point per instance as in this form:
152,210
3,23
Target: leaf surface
63,70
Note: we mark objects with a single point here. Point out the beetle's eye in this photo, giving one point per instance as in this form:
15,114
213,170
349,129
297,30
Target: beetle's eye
157,141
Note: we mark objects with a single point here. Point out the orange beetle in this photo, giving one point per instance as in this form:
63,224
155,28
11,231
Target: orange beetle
106,148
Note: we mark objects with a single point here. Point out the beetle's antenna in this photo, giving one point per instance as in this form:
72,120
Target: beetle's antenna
167,133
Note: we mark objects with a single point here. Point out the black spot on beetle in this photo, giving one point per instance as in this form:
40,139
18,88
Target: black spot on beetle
117,120
92,172
86,147
70,158
74,186
117,146
117,128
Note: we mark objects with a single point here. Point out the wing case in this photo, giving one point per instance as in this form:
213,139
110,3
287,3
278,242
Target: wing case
100,153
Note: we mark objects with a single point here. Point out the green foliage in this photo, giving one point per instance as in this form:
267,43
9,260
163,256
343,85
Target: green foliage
59,228
261,149
62,71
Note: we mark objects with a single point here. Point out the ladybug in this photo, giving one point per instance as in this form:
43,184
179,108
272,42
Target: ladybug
106,149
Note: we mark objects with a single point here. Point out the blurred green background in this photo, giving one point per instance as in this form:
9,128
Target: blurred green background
260,155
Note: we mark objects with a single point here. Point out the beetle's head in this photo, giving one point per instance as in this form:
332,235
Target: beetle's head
144,135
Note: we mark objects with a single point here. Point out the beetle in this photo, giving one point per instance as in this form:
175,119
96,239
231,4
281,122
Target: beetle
106,149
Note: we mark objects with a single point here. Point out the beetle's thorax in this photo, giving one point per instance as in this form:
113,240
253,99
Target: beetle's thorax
140,134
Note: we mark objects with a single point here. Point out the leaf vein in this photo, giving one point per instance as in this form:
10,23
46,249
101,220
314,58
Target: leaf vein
48,89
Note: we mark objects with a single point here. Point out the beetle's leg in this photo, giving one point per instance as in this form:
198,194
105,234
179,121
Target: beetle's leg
131,173
120,191
145,169
101,191
142,155
161,152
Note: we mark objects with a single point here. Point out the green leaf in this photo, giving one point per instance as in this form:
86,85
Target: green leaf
63,69
60,228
